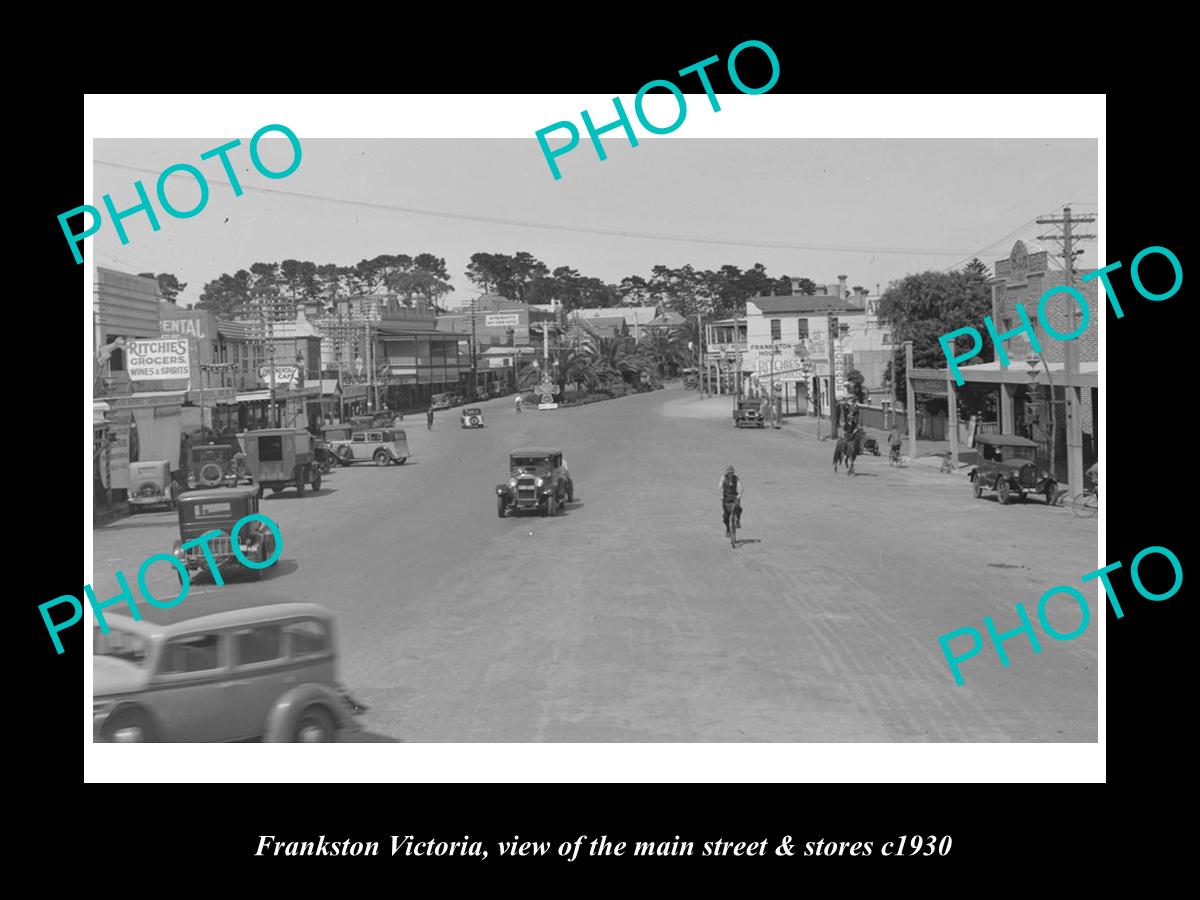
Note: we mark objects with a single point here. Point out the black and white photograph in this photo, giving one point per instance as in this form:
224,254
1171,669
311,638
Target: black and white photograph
709,440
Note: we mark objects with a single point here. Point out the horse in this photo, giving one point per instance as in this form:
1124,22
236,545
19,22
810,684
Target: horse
848,448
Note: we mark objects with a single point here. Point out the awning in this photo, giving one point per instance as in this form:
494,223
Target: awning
253,396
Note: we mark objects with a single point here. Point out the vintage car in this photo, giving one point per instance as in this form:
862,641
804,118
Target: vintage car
441,401
226,666
216,465
748,412
381,447
279,457
472,417
1007,466
150,484
220,509
538,480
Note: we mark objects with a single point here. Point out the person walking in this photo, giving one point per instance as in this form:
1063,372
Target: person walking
518,404
895,439
429,418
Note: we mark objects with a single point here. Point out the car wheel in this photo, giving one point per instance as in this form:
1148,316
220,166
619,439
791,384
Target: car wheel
401,460
1003,491
976,488
382,458
316,479
1051,494
570,492
129,726
298,477
315,726
552,506
500,507
345,455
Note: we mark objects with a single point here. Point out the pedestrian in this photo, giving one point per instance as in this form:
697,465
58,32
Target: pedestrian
895,439
429,418
518,404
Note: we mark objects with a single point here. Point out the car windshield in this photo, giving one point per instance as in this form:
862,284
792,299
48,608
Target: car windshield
1019,453
121,645
530,463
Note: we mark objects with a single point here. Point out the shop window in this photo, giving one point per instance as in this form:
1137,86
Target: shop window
802,328
776,330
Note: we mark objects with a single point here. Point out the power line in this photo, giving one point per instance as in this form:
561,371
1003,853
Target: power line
519,223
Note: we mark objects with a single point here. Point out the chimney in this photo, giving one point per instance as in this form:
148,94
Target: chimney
841,287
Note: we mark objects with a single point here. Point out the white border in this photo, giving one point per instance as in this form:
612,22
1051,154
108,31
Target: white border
485,115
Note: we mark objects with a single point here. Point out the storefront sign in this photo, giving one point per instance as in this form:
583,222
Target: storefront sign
165,358
283,375
839,369
502,320
193,327
499,362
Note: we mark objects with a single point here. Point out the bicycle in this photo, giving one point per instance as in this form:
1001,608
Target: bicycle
735,513
1087,504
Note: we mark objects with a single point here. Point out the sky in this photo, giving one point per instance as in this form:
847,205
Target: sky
873,210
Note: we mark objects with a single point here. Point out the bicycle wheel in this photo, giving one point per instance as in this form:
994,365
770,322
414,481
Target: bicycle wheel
1084,505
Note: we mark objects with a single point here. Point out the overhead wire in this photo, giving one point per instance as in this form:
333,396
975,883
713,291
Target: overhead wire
578,229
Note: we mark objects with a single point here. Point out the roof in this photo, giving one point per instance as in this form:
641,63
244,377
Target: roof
229,606
220,493
669,318
597,322
631,315
535,451
803,304
1004,440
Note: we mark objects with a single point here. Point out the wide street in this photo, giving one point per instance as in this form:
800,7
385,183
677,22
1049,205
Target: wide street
630,617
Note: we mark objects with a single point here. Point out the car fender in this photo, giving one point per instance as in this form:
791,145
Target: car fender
98,722
284,714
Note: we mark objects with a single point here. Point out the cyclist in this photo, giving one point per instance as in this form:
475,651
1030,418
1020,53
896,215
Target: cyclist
731,499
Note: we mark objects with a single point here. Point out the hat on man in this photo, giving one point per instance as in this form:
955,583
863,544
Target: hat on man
729,471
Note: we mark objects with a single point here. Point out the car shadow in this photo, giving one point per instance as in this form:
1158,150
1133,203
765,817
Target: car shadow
281,569
365,737
290,494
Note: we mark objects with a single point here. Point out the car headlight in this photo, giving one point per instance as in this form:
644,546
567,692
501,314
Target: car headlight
538,482
512,482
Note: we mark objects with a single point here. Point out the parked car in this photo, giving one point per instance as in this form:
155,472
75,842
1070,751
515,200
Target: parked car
440,401
538,480
279,457
383,446
220,508
472,417
214,465
227,666
748,412
1007,466
150,484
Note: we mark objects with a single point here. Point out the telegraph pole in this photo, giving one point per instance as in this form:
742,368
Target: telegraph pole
474,351
1071,348
910,404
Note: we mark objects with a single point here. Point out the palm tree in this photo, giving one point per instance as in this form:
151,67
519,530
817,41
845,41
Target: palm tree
667,351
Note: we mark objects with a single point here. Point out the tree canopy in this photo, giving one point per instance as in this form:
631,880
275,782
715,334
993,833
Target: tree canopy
169,287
